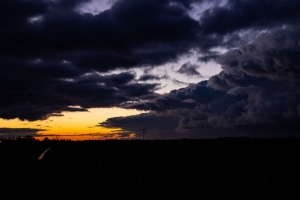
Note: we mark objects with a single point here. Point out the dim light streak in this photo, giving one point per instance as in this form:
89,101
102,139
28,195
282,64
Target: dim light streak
42,155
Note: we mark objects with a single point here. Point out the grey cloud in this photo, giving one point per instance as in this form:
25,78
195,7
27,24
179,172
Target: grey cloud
177,82
255,94
273,55
16,132
44,99
54,62
189,69
238,14
147,77
157,125
209,57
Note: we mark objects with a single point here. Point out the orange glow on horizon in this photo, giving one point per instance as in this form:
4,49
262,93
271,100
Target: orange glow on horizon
74,125
85,137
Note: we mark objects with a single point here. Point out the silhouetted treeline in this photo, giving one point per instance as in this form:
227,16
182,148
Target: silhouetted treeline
226,168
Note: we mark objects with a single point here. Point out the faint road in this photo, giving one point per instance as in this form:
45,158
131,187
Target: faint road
42,155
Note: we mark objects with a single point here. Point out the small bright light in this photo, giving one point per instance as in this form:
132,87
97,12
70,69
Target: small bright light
66,62
35,19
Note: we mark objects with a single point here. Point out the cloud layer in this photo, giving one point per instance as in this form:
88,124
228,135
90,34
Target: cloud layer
17,132
54,58
256,93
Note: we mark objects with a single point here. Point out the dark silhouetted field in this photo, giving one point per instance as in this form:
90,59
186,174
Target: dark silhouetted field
241,169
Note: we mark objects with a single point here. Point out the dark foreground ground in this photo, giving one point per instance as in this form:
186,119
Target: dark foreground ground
232,169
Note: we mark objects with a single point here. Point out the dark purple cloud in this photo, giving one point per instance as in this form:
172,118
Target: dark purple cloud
158,125
148,77
244,14
256,93
209,57
39,99
52,56
17,132
189,69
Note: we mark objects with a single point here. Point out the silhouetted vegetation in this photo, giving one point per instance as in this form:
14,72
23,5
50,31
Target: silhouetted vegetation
225,168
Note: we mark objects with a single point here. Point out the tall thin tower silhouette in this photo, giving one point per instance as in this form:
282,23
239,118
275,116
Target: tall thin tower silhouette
144,131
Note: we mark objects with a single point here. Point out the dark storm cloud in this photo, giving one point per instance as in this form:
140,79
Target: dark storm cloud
32,112
42,99
51,55
65,4
177,82
16,132
166,101
274,55
189,69
157,125
209,57
119,37
256,93
49,51
148,77
240,14
14,12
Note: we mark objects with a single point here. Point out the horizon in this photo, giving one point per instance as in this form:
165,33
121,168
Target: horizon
183,68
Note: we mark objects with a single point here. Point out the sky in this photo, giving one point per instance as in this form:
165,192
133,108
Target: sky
100,69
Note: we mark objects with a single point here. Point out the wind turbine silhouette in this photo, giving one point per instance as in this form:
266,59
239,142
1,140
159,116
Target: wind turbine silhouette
144,132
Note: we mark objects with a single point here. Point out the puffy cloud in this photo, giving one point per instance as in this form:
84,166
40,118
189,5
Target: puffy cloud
118,37
273,55
256,93
209,57
52,57
39,99
158,125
